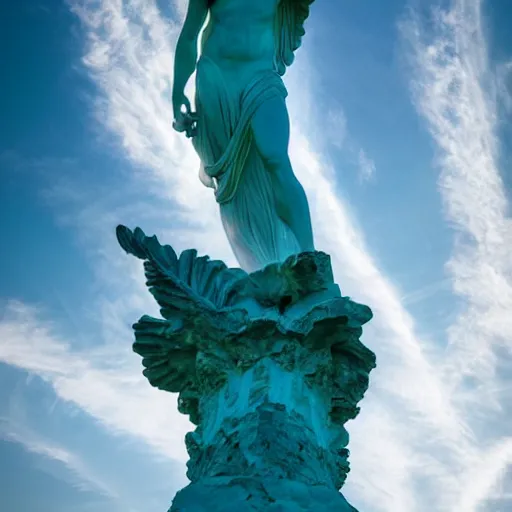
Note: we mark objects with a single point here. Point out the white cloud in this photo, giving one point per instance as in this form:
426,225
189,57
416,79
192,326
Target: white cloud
106,382
425,292
84,478
412,448
504,85
335,132
366,167
454,91
336,128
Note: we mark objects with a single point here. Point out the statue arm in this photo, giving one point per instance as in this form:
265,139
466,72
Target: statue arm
185,59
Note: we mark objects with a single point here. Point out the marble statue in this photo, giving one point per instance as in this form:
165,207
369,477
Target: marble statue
241,128
266,359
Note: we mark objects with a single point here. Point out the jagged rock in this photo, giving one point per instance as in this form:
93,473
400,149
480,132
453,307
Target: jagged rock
268,366
241,494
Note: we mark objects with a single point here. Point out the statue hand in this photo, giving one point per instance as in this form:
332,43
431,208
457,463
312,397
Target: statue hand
184,121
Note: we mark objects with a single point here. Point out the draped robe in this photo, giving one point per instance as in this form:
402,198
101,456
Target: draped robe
231,163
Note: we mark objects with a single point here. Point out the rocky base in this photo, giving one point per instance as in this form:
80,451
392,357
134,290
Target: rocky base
269,442
235,494
268,366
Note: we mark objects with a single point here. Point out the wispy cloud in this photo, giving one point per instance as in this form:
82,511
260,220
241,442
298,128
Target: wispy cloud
454,90
425,292
366,166
504,85
105,382
414,447
83,478
337,134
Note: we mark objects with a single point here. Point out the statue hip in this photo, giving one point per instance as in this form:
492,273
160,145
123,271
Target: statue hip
225,110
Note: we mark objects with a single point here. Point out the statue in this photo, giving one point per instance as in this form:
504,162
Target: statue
241,128
266,359
268,367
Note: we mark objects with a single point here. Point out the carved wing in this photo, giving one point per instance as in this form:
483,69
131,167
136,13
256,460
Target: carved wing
195,295
289,30
180,284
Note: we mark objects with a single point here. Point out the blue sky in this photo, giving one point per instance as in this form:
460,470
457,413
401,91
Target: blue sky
401,115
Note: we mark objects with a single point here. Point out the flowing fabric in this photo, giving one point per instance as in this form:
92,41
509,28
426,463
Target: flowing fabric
289,30
232,165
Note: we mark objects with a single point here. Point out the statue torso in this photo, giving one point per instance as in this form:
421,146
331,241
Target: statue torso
240,36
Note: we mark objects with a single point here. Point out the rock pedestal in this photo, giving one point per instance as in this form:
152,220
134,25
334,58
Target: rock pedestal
268,366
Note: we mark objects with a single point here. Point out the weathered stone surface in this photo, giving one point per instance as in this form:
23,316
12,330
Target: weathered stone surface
246,494
268,366
283,284
269,441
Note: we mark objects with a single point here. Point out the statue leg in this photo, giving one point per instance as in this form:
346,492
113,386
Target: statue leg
271,133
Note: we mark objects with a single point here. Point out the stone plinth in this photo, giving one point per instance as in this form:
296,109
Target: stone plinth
268,366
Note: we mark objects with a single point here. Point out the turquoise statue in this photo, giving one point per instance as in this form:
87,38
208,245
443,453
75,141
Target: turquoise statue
266,359
268,366
241,128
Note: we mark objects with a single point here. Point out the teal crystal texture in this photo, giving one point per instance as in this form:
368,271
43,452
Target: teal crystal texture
268,367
